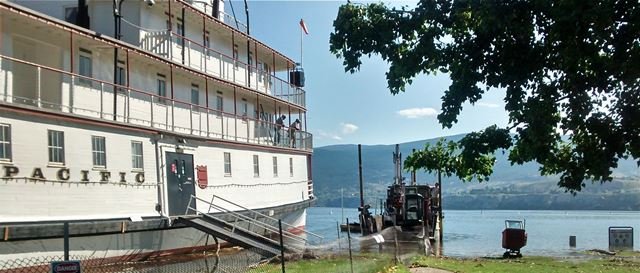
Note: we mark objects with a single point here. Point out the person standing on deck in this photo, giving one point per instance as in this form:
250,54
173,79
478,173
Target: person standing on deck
292,132
278,129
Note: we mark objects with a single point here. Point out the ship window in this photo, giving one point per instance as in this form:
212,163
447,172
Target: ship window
56,146
195,94
136,155
207,43
99,151
227,164
162,89
245,108
70,14
291,166
275,166
121,76
250,62
219,103
256,166
180,31
5,142
235,56
85,66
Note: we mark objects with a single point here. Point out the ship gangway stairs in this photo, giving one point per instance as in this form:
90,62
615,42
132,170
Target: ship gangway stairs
244,227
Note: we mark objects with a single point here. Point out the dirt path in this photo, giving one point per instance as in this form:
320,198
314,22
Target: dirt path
427,270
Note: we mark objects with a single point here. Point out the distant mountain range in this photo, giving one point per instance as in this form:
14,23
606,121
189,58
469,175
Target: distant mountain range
335,176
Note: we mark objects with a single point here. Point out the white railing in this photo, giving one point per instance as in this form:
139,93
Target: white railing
195,55
52,89
227,19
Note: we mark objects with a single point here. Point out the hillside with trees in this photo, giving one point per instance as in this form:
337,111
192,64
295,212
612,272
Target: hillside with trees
509,187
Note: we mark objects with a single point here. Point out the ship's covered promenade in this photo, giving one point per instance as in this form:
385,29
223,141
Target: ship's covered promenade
167,81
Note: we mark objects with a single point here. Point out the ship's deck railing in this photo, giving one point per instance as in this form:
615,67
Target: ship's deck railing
61,91
205,59
226,18
250,220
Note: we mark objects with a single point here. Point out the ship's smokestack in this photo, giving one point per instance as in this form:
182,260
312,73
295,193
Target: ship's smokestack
82,18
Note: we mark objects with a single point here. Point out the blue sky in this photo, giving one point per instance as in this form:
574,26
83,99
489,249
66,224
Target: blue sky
346,108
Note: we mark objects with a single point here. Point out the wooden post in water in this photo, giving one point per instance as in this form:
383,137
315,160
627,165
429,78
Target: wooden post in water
441,218
361,216
360,174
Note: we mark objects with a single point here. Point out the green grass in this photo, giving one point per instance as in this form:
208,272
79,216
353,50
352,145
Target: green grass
374,263
338,264
531,264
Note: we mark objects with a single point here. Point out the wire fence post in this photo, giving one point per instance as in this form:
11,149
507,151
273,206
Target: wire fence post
338,229
66,241
395,240
281,245
349,239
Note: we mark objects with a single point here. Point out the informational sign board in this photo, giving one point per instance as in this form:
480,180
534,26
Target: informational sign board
620,238
66,267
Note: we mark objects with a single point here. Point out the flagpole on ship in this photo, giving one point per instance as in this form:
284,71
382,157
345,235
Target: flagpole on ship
301,37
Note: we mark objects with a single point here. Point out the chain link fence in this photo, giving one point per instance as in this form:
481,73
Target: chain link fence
231,260
349,253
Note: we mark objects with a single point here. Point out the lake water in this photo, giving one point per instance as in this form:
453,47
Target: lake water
473,233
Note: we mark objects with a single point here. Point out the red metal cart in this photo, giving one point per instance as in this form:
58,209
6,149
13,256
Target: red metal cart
514,237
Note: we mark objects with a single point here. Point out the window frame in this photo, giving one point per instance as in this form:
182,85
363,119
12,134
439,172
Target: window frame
135,158
70,14
250,62
227,164
236,56
83,69
179,31
97,155
161,93
195,90
5,141
244,108
275,166
219,102
52,148
121,76
207,44
291,166
256,166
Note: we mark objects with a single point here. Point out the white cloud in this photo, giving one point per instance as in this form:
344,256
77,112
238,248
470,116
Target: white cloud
322,135
348,128
487,104
418,112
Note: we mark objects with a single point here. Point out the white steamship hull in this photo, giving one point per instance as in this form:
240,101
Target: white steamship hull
116,136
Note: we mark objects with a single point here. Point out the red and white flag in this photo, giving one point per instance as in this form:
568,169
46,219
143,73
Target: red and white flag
304,27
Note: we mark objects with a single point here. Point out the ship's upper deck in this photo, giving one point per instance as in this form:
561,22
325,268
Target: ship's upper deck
190,33
175,69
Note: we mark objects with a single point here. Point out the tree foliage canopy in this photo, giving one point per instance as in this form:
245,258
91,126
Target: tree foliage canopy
447,159
567,67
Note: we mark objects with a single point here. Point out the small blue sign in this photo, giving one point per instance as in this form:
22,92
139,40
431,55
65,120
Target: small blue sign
65,267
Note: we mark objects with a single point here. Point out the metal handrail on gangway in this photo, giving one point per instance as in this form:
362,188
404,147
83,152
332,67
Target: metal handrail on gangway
257,214
241,218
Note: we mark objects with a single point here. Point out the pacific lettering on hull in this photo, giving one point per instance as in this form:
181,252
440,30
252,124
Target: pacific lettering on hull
64,174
